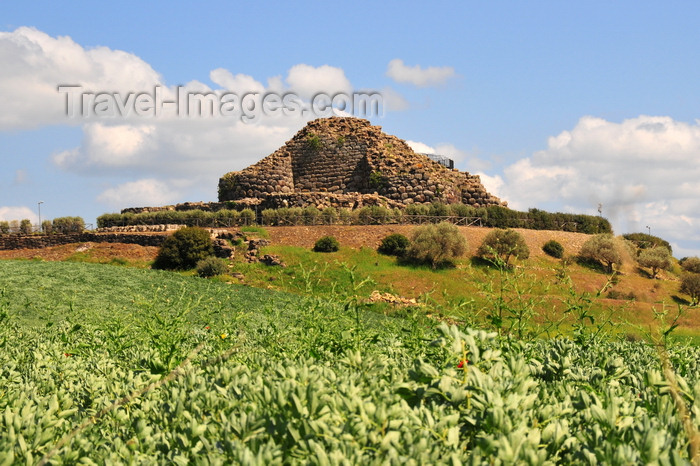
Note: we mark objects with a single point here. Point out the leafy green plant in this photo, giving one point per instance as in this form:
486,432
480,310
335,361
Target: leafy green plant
313,141
658,258
211,267
326,244
184,248
395,244
503,245
553,248
690,264
25,227
68,225
436,244
377,180
4,227
690,285
603,249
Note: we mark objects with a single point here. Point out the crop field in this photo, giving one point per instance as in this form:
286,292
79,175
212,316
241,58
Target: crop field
104,364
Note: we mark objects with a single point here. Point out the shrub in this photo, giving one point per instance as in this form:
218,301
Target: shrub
553,248
46,227
184,248
68,225
501,245
247,216
4,227
658,258
311,215
690,264
436,244
395,244
603,249
690,285
326,244
646,241
25,227
329,215
211,267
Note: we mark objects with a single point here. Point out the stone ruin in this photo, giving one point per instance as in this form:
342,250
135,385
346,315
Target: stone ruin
347,162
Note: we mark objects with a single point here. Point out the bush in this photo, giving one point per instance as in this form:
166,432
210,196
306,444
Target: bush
4,227
646,241
68,225
553,248
690,264
501,245
46,227
436,244
603,249
184,248
394,245
327,244
690,285
329,215
247,217
25,227
211,267
658,258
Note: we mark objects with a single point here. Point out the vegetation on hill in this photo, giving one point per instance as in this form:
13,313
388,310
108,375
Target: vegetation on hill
492,216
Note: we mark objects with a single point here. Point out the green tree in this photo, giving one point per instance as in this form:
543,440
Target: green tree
25,226
604,249
502,245
184,248
658,258
690,285
436,244
691,264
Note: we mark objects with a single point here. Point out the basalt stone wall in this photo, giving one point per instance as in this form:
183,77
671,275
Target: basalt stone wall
45,241
346,156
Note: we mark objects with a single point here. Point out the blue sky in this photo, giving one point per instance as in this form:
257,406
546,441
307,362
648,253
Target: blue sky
558,105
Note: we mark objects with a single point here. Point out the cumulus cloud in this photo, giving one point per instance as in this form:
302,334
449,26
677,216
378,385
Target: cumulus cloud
644,171
9,213
35,64
144,192
418,76
307,81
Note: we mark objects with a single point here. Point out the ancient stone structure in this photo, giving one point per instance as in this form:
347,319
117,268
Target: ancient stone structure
347,162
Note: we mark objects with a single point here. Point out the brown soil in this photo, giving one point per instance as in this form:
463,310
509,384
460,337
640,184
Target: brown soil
357,236
353,236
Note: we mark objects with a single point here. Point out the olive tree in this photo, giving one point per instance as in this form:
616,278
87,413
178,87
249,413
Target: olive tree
501,245
436,244
604,249
658,258
690,285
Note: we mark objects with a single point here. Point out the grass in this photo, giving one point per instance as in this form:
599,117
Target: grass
465,292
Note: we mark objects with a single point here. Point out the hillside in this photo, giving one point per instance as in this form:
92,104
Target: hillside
461,293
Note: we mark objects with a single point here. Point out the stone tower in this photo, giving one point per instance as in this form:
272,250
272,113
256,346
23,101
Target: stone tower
347,162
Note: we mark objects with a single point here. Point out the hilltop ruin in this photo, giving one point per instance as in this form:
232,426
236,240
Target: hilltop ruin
347,162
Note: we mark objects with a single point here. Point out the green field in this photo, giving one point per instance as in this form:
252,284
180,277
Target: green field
106,364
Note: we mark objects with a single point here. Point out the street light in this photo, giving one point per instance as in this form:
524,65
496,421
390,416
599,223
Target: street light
41,228
649,228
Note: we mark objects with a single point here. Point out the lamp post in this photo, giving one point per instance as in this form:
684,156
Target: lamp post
41,227
649,228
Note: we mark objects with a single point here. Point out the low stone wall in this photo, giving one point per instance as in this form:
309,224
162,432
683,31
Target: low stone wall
45,241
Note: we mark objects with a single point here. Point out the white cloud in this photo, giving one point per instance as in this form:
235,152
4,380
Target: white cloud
644,171
20,177
145,192
34,64
18,213
420,147
418,76
307,81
